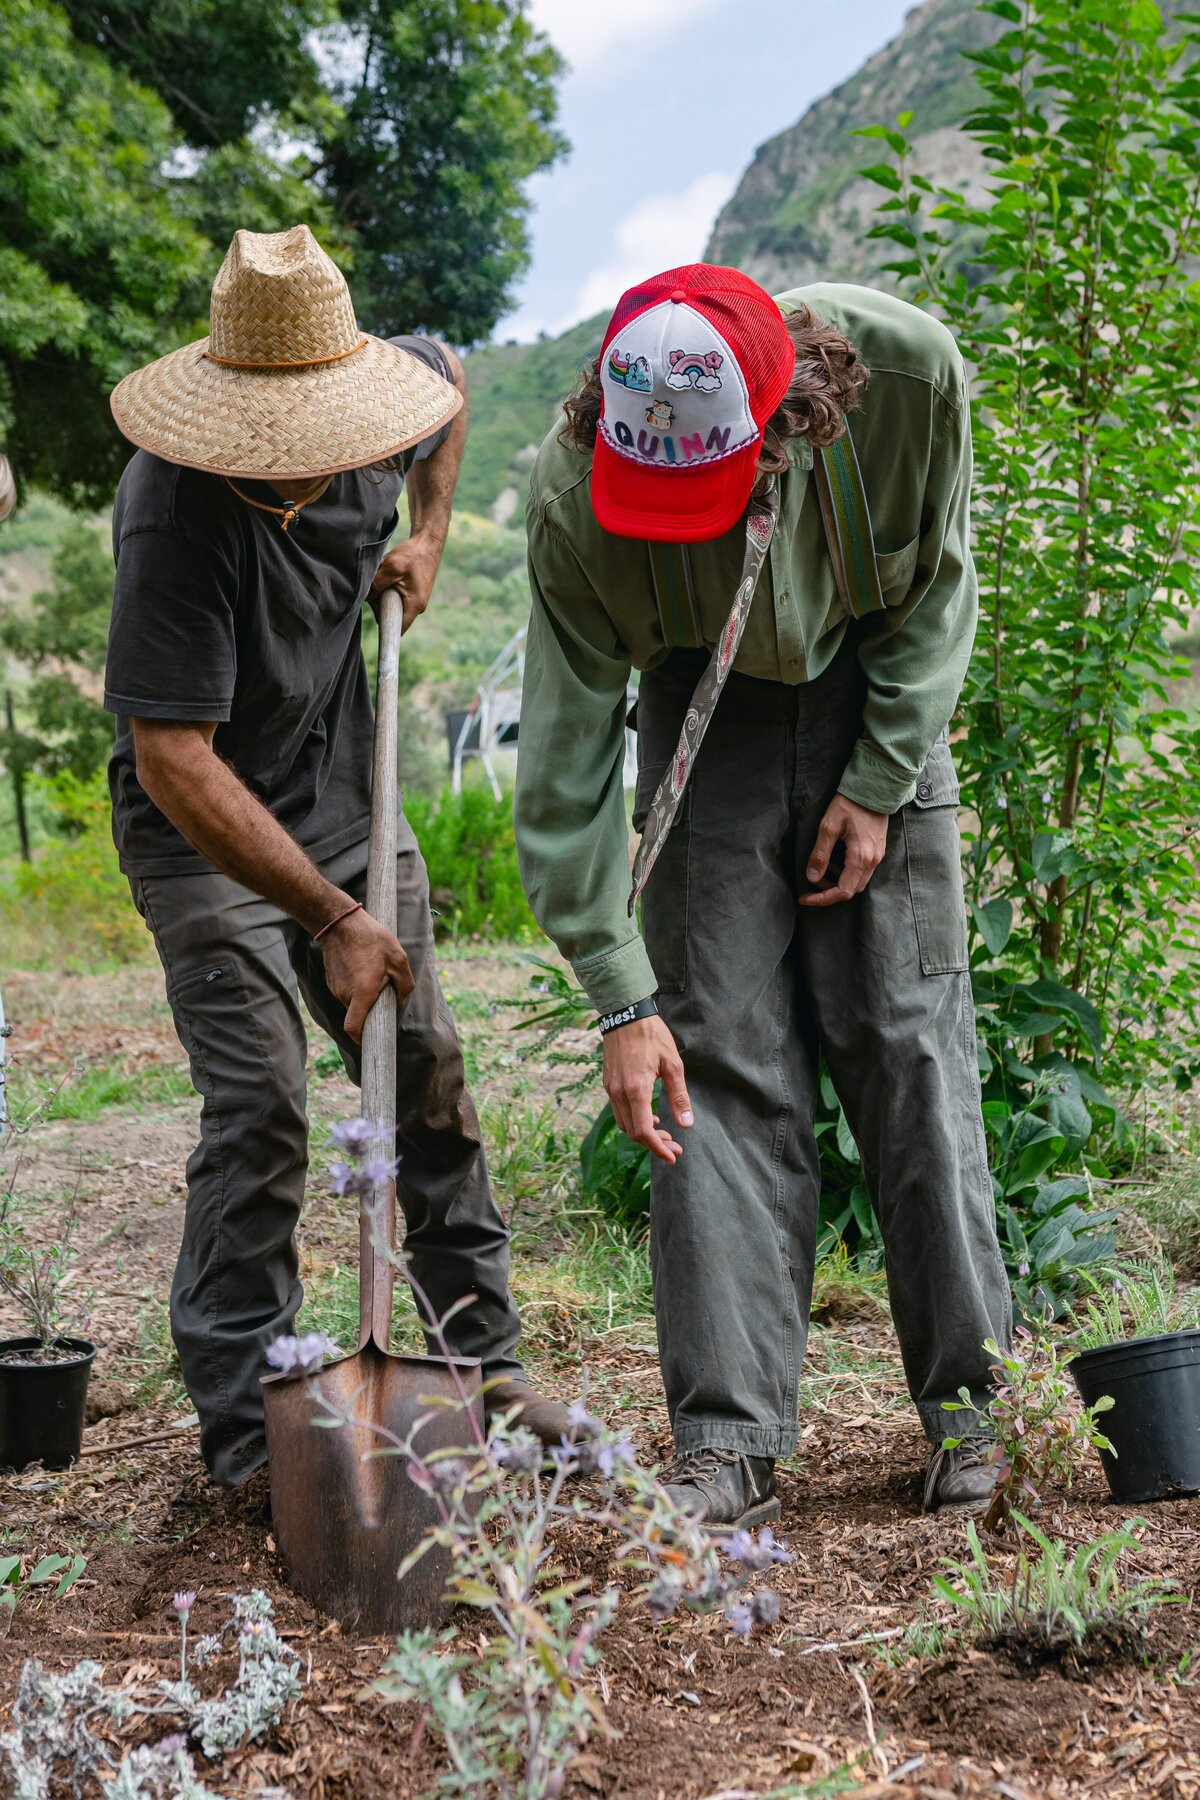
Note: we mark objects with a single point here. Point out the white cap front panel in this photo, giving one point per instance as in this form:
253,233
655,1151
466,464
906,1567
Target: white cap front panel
674,396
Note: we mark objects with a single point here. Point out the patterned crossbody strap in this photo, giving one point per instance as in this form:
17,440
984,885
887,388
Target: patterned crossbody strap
760,525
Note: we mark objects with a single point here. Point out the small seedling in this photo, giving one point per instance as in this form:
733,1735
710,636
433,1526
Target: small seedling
1040,1430
1056,1601
66,1570
1136,1300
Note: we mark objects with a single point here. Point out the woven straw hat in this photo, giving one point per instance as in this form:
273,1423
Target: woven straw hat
285,386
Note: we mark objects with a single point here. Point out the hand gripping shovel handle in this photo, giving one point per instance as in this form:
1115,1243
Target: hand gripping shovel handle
378,1217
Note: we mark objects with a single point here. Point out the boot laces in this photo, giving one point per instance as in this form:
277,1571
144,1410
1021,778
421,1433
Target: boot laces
699,1466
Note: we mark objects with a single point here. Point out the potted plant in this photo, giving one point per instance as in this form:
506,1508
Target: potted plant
43,1374
1138,1340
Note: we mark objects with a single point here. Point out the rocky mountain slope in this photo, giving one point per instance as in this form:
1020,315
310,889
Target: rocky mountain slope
801,212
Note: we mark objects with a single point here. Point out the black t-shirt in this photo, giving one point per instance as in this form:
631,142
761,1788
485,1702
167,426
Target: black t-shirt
219,614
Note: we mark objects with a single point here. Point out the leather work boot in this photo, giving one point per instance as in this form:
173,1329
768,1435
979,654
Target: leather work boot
723,1489
546,1419
963,1477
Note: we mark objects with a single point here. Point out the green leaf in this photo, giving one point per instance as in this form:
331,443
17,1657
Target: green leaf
473,1592
77,1565
48,1568
414,1556
1069,1000
994,923
883,175
10,1570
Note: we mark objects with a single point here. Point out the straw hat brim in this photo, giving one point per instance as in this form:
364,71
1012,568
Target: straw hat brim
283,424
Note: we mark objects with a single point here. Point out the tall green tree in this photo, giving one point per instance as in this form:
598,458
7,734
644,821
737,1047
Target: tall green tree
419,126
1080,314
451,107
61,639
136,136
95,259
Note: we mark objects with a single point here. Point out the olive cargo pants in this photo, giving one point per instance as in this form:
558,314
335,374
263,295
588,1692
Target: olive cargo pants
235,966
752,987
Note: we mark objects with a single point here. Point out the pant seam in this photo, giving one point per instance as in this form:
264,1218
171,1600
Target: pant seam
785,1113
210,1311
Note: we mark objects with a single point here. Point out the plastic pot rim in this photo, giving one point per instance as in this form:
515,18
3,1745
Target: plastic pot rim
1135,1345
87,1352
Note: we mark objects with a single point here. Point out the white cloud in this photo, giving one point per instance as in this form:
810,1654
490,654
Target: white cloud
595,34
661,231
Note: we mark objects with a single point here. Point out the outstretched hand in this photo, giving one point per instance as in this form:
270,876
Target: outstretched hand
636,1056
864,837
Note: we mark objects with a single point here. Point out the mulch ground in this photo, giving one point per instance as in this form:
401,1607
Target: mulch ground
694,1713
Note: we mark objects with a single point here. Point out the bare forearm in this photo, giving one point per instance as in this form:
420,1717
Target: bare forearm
221,818
431,483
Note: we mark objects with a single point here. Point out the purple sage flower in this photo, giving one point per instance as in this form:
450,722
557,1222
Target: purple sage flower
184,1602
664,1596
765,1607
378,1169
521,1453
354,1137
740,1620
170,1746
756,1555
441,1477
301,1355
601,1457
582,1423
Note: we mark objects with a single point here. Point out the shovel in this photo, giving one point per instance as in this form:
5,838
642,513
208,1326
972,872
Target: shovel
345,1516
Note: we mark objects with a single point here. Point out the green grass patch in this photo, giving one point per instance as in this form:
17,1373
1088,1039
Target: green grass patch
160,1377
94,1090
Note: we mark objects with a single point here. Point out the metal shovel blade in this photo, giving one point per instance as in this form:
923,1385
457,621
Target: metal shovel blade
345,1516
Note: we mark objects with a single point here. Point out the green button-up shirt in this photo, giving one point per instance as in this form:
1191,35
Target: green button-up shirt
603,605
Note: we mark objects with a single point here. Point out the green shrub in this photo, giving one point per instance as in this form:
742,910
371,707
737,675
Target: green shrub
70,908
471,854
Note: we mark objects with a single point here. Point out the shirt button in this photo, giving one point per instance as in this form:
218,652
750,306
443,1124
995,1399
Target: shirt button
785,599
924,791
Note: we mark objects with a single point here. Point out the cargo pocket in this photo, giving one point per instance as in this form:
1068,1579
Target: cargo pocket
934,850
665,900
896,570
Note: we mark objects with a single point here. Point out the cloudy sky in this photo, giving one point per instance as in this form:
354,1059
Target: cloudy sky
665,104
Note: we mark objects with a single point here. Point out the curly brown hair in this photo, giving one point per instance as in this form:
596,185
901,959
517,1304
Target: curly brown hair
829,381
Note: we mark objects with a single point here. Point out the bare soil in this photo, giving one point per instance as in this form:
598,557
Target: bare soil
694,1713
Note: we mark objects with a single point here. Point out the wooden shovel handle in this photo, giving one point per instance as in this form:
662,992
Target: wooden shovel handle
378,1216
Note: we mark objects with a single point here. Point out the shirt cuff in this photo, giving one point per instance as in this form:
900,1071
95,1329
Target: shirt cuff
874,781
183,712
618,978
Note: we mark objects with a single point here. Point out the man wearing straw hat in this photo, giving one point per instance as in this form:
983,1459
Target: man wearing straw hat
248,530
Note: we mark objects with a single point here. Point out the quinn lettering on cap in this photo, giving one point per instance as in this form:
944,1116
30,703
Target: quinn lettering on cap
674,396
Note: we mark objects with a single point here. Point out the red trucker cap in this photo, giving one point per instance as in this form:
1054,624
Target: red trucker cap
693,364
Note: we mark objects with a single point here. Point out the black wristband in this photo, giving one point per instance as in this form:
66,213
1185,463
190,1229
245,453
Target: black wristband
641,1009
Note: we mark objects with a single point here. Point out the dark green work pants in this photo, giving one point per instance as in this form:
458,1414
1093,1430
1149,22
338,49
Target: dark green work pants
752,988
235,967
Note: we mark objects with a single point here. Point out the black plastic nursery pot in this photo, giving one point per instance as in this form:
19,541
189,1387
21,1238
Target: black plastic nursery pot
1154,1425
42,1404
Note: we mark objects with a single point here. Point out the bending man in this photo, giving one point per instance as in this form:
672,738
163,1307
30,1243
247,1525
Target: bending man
801,862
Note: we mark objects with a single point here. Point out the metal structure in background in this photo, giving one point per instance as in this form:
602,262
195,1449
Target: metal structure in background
492,721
